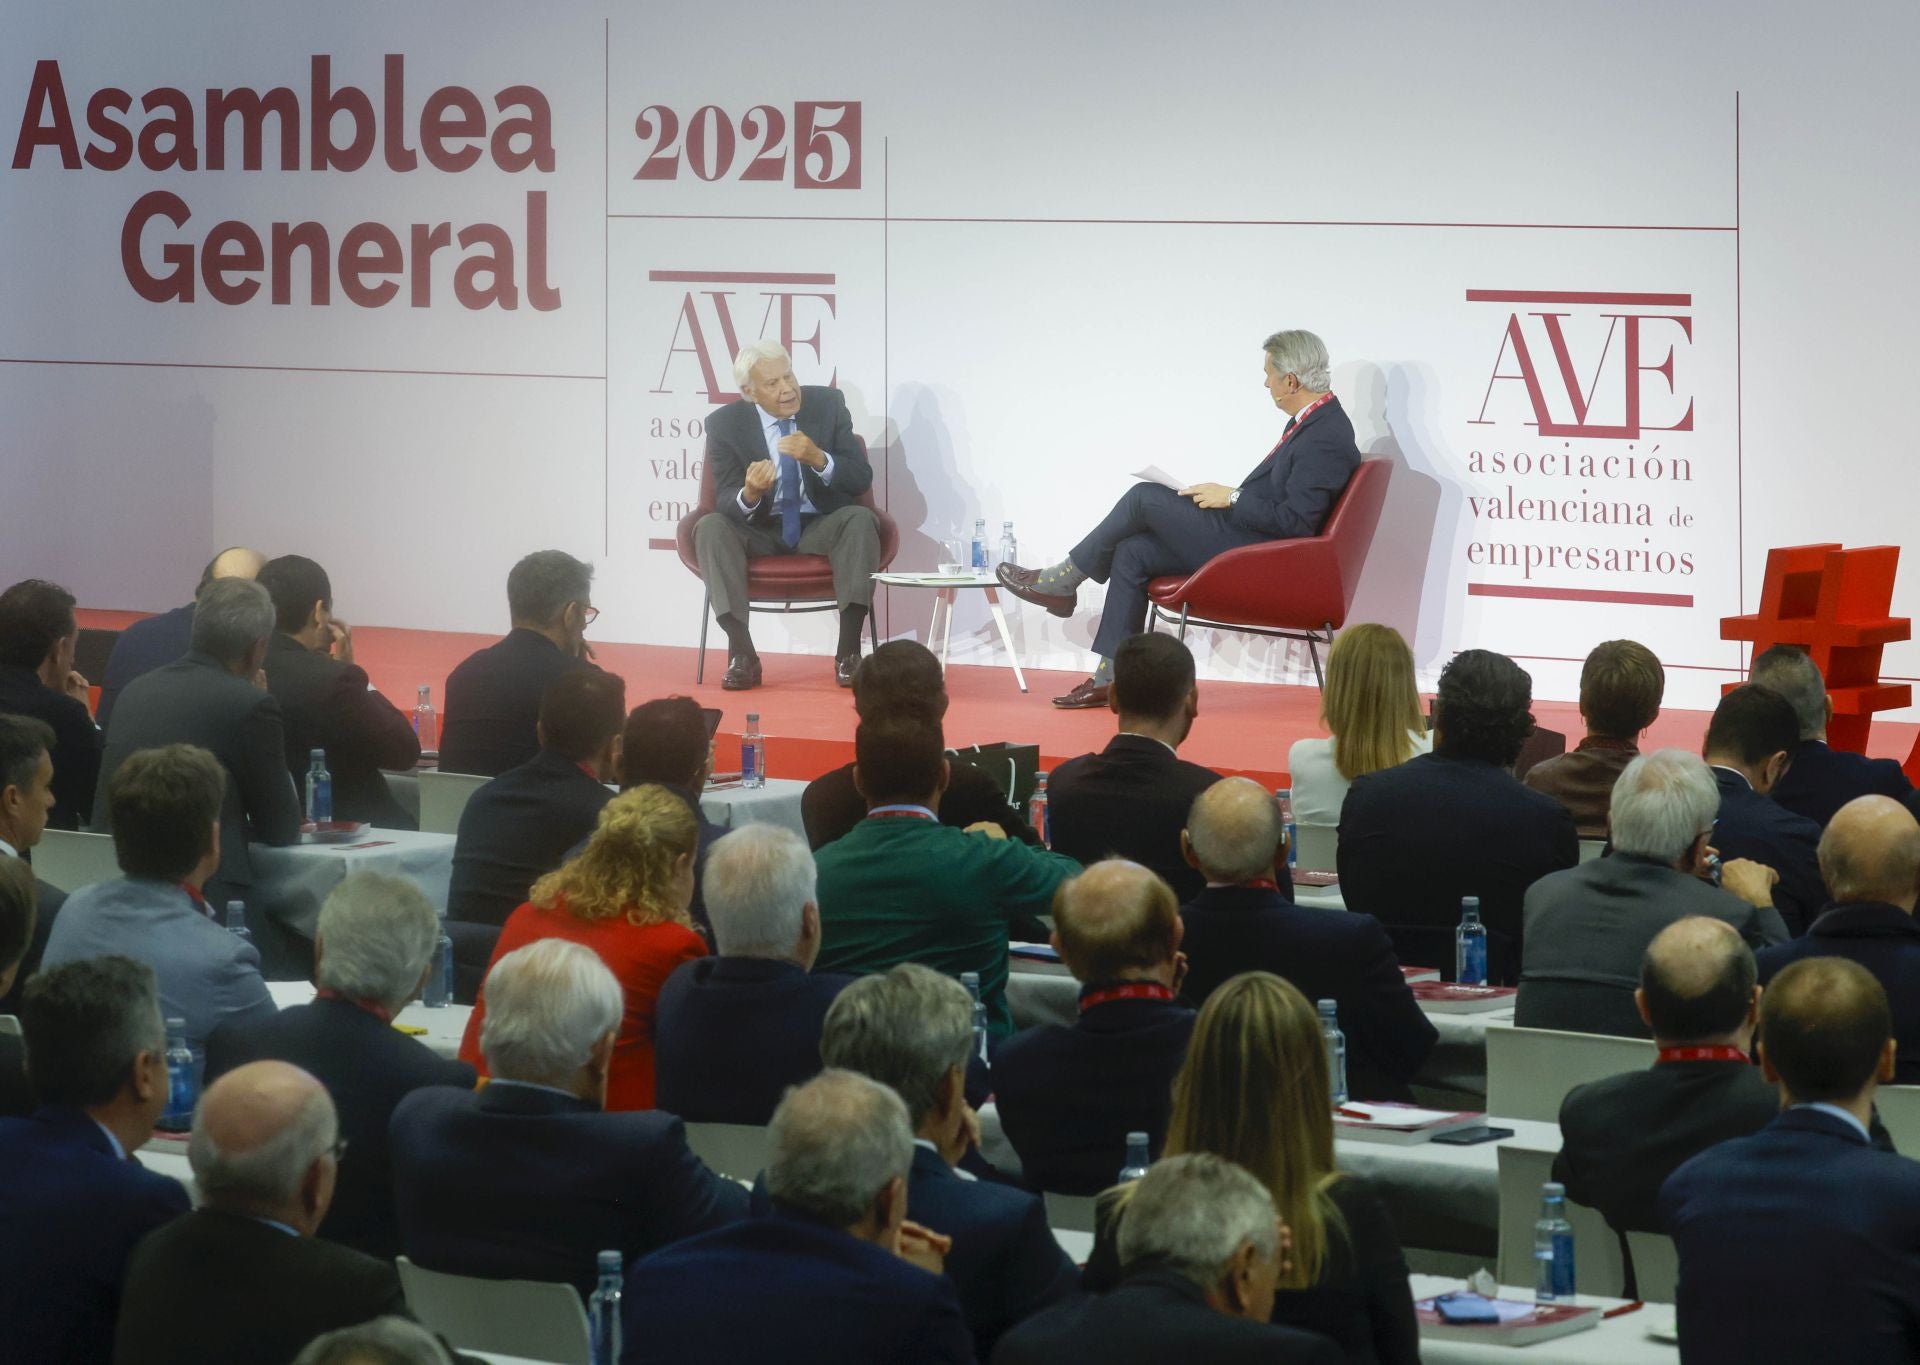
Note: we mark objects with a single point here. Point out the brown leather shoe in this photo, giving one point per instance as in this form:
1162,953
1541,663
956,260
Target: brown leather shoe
1088,696
743,674
1020,582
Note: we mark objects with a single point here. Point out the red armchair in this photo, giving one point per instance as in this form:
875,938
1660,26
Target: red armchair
786,583
1288,589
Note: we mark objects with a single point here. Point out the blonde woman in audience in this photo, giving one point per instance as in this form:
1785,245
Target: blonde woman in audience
626,898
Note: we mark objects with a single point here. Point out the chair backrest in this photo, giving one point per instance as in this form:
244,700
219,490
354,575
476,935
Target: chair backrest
1591,849
1070,1212
738,1150
1319,847
443,796
1596,1247
1656,1266
1899,1107
526,1318
1353,522
9,1026
69,860
1530,1070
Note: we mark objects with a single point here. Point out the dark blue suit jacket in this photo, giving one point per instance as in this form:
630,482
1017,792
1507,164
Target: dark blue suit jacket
1886,941
77,742
71,1213
1821,780
522,1182
1758,827
1068,1097
515,830
730,1034
1346,958
1290,493
493,703
142,647
787,1289
1800,1243
1130,800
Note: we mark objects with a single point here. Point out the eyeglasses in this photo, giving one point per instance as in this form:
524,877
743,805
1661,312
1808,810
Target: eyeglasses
338,1150
588,615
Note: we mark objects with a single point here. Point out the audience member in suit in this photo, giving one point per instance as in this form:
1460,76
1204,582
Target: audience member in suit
626,899
326,701
733,1032
26,798
903,677
530,1178
1749,746
1870,857
1201,1258
1820,779
384,1341
166,823
73,1201
912,1029
373,951
243,1280
521,825
1588,927
1154,530
214,698
1621,685
17,916
1416,838
1242,922
1802,1242
665,742
1068,1097
37,678
835,1273
1131,799
1623,1136
493,697
902,887
1371,708
156,640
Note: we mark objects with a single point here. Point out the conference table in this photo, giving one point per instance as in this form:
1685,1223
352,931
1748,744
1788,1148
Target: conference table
291,883
1622,1340
440,1029
728,803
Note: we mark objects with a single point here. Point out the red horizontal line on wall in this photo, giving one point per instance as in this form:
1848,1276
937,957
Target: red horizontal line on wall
1564,296
738,277
291,369
1635,599
658,544
1176,222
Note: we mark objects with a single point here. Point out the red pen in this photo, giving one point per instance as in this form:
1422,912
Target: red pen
1345,1113
1624,1308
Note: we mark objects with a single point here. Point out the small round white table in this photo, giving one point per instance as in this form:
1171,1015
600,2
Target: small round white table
945,588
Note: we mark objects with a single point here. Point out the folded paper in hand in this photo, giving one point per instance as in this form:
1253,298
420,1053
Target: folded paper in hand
1153,473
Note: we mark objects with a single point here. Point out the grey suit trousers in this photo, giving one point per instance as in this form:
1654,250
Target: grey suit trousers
849,538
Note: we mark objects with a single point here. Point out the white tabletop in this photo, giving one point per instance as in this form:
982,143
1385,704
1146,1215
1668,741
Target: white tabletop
290,883
971,579
444,1027
1616,1341
776,803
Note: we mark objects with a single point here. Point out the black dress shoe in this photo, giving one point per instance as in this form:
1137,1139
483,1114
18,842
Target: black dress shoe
1088,696
843,668
1021,583
742,674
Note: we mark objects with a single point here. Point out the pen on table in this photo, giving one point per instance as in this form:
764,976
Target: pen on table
1624,1308
1342,1112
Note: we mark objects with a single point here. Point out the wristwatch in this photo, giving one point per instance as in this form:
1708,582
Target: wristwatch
1233,497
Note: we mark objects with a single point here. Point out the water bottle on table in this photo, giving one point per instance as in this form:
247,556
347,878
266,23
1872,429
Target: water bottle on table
183,1079
1009,547
319,788
1283,796
439,992
1336,1051
426,725
603,1310
1553,1247
1037,809
753,754
1137,1158
1470,945
980,545
237,921
971,980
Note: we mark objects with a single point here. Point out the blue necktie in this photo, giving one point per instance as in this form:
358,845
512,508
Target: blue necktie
789,492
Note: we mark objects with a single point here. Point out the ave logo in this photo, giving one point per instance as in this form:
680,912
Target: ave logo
720,310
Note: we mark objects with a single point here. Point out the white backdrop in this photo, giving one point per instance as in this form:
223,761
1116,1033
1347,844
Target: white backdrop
1049,244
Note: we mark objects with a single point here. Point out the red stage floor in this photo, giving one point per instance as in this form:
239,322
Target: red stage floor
1243,727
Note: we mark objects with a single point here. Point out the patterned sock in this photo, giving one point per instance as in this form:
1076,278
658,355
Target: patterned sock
1060,578
1103,672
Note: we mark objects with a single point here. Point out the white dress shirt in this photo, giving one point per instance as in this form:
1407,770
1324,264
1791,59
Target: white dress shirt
770,430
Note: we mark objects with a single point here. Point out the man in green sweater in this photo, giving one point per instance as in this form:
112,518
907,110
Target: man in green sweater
902,887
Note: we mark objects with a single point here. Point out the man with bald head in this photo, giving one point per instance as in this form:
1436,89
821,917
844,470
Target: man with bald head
148,644
1068,1097
242,1280
1244,922
1870,860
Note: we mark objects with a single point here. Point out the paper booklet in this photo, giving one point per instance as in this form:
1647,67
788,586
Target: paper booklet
1153,473
1398,1124
1520,1324
1444,997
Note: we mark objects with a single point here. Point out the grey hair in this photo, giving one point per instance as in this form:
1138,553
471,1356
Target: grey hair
542,583
378,933
384,1341
752,354
907,1028
757,883
230,618
1302,355
1235,829
1662,803
1193,1213
1792,673
548,1004
835,1143
270,1174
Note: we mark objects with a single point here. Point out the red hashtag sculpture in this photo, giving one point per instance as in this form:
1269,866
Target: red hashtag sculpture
1833,603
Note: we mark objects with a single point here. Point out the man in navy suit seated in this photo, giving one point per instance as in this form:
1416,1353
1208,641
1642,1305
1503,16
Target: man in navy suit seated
156,641
1243,923
731,1033
1068,1097
1820,779
912,1029
834,1274
1802,1242
529,1179
1750,746
38,633
73,1202
1870,857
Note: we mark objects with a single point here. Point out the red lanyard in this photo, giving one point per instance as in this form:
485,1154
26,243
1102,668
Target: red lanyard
373,1007
199,901
1133,990
902,813
1262,884
1720,1052
1302,415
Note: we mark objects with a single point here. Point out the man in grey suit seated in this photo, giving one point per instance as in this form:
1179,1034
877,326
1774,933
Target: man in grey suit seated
1588,927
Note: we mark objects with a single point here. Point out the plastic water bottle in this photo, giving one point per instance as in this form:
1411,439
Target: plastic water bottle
319,788
1336,1051
1470,945
971,980
1009,547
603,1310
1137,1158
237,921
753,754
426,725
439,992
980,545
183,1079
1283,796
1037,809
1553,1247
